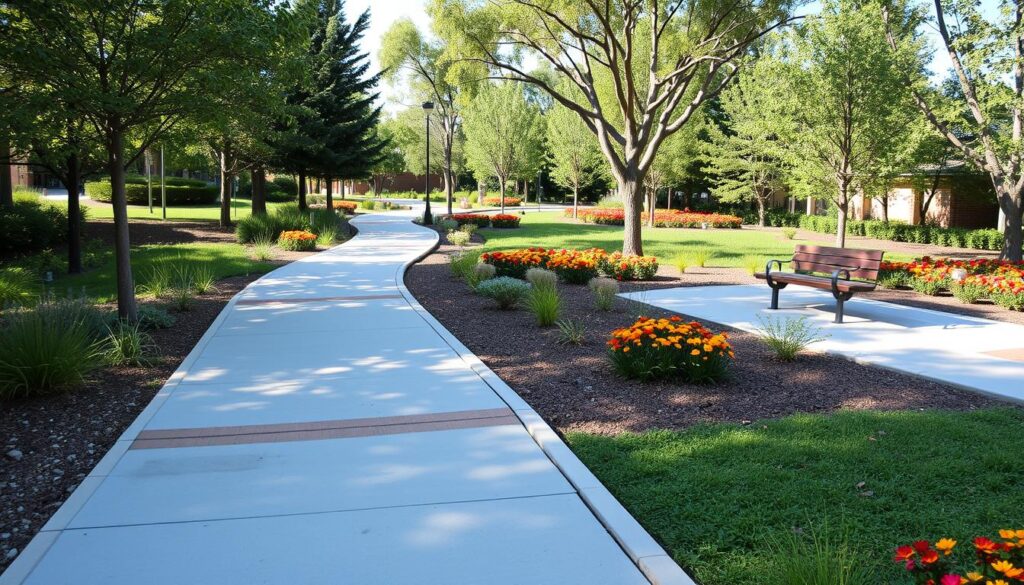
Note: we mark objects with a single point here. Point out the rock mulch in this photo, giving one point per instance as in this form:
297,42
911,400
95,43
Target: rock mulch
575,389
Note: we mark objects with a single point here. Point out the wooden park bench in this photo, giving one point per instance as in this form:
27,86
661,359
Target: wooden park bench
851,272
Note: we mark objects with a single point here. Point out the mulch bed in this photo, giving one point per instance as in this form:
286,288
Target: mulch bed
575,388
50,443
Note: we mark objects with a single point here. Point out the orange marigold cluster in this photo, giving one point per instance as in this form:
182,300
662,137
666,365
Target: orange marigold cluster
297,235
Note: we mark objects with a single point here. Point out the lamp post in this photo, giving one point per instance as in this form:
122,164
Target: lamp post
427,218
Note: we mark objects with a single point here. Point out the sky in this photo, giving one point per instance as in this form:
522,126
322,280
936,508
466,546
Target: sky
384,12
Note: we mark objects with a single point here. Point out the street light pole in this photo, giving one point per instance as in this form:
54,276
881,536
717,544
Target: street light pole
428,219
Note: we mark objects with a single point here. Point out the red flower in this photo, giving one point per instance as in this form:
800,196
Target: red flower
904,553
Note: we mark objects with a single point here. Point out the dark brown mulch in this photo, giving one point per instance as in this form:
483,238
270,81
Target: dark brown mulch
144,231
51,442
575,388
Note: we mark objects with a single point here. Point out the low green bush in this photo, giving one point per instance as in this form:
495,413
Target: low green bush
894,279
18,288
978,239
504,290
151,317
179,192
33,224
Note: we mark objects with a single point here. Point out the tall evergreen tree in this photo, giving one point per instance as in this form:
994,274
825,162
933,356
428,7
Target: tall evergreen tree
342,95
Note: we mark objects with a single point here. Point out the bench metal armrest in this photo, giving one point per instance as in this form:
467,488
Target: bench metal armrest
835,279
768,270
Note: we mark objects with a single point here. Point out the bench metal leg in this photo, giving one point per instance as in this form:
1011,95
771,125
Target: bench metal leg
840,300
775,299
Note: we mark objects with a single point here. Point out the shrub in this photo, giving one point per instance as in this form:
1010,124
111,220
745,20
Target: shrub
446,224
478,274
127,345
541,278
571,332
928,284
789,233
33,224
49,348
262,249
469,228
458,238
893,279
504,290
179,192
504,220
18,287
545,304
495,201
155,318
669,348
297,241
604,290
461,264
1008,298
620,267
968,291
478,219
789,336
257,227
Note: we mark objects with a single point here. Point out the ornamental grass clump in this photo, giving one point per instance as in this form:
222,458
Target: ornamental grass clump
127,345
462,263
604,291
17,288
504,290
49,348
327,236
478,274
541,278
995,561
571,332
787,337
789,233
545,304
670,348
817,559
262,249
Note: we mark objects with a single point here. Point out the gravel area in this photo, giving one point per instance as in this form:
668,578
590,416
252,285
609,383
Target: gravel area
50,443
575,389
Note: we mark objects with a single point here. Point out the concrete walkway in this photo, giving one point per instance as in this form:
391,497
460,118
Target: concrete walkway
977,354
327,430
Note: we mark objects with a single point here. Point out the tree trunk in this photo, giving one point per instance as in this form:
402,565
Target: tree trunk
631,192
843,206
6,184
668,199
259,191
449,191
1011,204
72,178
652,196
575,201
127,309
330,193
501,190
762,214
302,191
885,208
225,191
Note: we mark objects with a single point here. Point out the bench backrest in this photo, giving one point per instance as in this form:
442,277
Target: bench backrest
862,264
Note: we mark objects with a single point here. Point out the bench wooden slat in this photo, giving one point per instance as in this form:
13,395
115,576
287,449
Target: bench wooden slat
819,282
875,255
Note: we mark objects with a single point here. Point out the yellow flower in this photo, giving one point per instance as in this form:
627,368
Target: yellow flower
695,352
945,545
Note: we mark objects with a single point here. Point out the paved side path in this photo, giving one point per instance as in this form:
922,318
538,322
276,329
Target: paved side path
977,354
326,430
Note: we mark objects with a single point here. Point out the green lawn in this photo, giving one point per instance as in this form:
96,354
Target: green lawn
210,212
716,495
221,259
728,247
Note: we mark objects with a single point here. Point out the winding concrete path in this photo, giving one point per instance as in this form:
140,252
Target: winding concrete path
327,430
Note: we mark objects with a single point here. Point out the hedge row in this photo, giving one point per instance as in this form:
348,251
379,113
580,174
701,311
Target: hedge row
979,239
138,193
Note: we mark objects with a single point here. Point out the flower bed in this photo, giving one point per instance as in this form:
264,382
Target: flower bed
996,561
664,218
670,348
297,240
572,266
505,220
348,207
495,200
1000,281
478,219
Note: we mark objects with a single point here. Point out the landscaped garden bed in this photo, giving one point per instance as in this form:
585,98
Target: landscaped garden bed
723,473
662,218
1000,282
